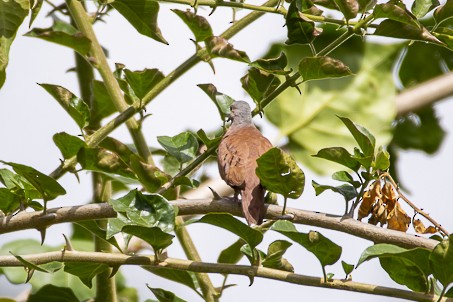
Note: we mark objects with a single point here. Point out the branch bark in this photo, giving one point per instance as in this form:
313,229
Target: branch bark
424,94
219,268
36,220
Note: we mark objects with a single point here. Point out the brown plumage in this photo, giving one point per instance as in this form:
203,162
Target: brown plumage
238,151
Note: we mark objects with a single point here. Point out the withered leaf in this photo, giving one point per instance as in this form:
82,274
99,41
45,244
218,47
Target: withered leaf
398,219
389,196
420,228
368,199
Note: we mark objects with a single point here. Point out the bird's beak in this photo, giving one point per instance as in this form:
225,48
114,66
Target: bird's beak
229,117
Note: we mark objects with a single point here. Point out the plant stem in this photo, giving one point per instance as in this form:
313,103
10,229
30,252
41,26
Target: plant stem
105,285
113,259
83,22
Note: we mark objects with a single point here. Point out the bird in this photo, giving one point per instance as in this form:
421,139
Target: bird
237,153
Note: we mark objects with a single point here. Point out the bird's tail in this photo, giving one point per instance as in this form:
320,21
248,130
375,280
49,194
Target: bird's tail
253,204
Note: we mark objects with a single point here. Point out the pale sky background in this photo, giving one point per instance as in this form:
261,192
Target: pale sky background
29,117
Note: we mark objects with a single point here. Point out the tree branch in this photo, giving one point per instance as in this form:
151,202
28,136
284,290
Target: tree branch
30,220
112,259
424,94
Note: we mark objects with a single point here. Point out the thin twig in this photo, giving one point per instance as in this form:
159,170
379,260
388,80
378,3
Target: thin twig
413,206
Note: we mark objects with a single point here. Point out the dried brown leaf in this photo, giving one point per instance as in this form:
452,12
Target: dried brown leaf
398,219
369,198
420,228
389,196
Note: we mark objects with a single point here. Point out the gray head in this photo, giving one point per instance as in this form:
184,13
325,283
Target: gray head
240,113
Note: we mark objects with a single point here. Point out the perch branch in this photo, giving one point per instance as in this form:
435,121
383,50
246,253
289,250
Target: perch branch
30,220
112,259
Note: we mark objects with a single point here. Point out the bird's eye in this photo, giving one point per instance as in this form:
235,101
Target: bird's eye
231,108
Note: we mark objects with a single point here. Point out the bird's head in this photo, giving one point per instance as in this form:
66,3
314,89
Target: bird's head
240,113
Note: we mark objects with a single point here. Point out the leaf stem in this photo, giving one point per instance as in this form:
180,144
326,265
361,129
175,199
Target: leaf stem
413,206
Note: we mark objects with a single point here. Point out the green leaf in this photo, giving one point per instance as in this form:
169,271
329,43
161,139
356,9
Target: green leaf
232,254
419,131
222,101
93,228
220,47
444,12
346,177
52,293
300,29
349,8
206,140
274,257
85,271
117,147
406,267
348,191
316,68
259,84
394,12
326,251
226,221
150,176
69,145
103,160
74,106
395,29
143,81
142,15
273,65
48,187
361,135
445,35
439,257
9,201
347,268
165,296
183,277
279,173
146,210
29,265
382,161
421,7
153,236
12,14
307,119
64,34
199,26
102,104
183,146
339,155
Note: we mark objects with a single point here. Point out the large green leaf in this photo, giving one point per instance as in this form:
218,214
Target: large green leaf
326,251
222,101
142,15
226,221
301,30
220,47
368,98
183,277
85,271
143,81
347,191
317,68
52,293
9,201
259,84
12,14
279,173
199,26
183,146
68,144
145,210
274,257
232,254
421,7
406,267
153,236
74,106
395,12
64,34
102,105
444,12
395,29
439,260
46,185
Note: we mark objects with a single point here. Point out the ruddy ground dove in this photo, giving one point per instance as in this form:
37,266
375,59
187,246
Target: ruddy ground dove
238,151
